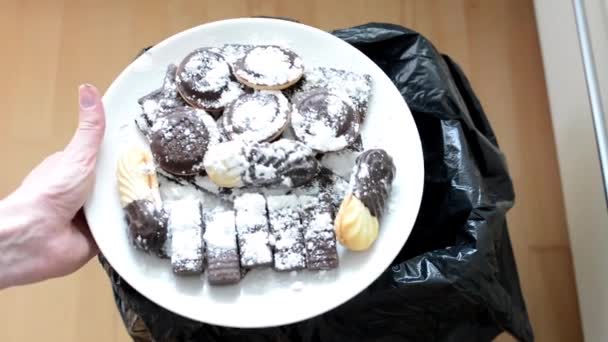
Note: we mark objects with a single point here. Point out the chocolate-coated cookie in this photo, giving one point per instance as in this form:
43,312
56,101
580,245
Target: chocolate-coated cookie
179,141
205,81
147,226
259,116
269,67
372,179
160,102
324,121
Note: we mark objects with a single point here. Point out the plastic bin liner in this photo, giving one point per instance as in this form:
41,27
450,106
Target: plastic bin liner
455,279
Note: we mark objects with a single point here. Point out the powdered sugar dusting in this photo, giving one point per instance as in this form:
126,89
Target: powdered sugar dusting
160,102
171,190
325,184
324,137
220,229
319,236
150,106
276,219
205,79
214,70
211,125
228,160
230,93
285,226
372,179
233,52
186,235
324,121
347,84
273,163
270,65
256,117
340,162
252,230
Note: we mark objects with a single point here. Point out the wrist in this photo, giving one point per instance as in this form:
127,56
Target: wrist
20,240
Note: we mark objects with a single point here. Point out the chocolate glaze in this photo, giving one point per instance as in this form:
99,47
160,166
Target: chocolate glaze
199,89
223,266
314,106
147,226
372,179
321,252
179,142
167,97
160,102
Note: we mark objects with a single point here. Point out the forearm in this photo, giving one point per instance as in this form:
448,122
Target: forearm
20,241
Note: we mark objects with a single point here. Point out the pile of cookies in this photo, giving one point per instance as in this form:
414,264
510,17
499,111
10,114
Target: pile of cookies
255,160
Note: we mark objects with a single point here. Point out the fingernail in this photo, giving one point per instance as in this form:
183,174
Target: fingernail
87,96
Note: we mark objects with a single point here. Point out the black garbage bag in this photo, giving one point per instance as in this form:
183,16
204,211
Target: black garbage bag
455,279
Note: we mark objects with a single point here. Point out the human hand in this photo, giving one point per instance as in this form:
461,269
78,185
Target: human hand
43,231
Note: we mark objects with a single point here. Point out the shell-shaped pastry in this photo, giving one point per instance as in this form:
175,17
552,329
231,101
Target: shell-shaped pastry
237,163
356,228
137,177
225,164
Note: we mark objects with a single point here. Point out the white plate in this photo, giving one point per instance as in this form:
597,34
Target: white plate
263,298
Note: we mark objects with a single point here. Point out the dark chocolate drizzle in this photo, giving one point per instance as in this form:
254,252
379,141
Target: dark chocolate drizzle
147,226
372,179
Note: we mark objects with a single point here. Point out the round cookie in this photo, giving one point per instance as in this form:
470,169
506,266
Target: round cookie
179,141
269,67
256,117
205,81
324,121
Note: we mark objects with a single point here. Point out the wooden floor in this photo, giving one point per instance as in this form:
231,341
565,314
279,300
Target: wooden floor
49,47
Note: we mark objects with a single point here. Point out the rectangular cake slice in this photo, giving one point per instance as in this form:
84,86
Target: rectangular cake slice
252,230
286,229
186,229
319,236
222,253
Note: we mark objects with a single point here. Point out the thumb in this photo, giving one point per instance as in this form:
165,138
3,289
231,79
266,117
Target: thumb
85,144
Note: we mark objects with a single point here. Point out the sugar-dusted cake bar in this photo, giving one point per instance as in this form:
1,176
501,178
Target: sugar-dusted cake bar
223,266
327,183
319,236
286,229
186,229
252,231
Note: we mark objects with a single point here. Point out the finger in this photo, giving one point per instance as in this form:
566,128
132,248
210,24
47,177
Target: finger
91,126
